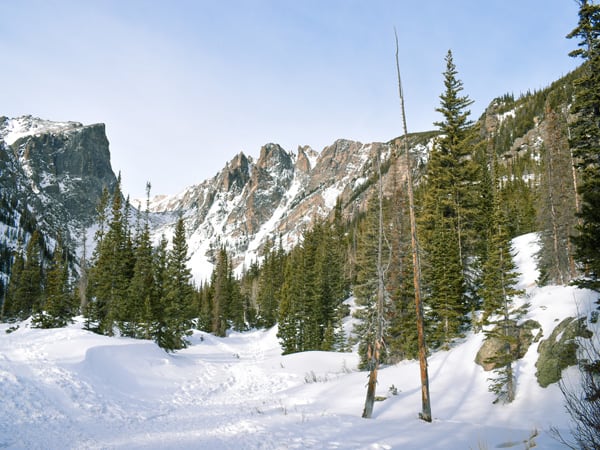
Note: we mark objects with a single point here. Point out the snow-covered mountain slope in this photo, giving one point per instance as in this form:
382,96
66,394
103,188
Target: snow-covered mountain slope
275,197
52,174
71,389
51,177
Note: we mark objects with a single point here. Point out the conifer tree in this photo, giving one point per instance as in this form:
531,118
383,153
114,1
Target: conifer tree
313,291
25,294
205,308
160,258
449,212
585,140
179,293
269,285
58,306
236,308
108,277
227,307
291,331
11,305
141,297
498,292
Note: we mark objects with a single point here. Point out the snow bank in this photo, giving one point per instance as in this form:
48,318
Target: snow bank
71,389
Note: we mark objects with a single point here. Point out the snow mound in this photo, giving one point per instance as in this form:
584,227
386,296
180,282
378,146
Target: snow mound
71,389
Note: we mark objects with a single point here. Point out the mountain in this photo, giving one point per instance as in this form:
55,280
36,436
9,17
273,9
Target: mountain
52,175
276,197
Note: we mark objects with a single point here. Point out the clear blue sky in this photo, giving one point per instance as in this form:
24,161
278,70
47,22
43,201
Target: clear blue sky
184,85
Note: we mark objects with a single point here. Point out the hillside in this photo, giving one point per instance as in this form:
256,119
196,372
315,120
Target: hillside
70,389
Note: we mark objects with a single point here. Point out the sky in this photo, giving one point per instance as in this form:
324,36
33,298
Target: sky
185,85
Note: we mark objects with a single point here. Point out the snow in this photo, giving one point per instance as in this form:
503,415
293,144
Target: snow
330,196
20,127
71,389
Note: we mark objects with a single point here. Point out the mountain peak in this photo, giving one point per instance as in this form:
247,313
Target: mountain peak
11,130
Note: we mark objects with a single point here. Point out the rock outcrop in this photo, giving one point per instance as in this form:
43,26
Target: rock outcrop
493,347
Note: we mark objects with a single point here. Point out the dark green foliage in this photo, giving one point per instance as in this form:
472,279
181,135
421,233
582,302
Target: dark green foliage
178,295
585,141
12,302
141,300
227,305
269,285
498,293
314,287
59,305
108,277
448,217
366,284
25,290
401,333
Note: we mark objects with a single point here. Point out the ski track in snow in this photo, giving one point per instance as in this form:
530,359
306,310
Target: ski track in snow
71,389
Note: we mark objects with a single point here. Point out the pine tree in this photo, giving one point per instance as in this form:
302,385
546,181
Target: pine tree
291,331
269,285
366,284
58,308
449,212
25,290
109,276
160,257
227,307
12,303
179,293
498,291
141,297
313,291
585,140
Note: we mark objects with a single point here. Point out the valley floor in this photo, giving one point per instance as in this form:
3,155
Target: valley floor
71,389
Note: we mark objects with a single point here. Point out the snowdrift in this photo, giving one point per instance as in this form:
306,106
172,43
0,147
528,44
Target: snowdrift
71,389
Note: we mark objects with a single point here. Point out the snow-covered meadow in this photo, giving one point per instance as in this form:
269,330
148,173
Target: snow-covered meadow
71,389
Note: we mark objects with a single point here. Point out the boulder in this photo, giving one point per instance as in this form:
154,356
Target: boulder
493,347
559,351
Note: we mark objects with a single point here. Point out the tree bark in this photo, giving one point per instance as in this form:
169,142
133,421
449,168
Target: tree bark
425,399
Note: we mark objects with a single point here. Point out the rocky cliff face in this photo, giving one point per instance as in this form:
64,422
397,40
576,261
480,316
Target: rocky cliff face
51,177
53,173
275,197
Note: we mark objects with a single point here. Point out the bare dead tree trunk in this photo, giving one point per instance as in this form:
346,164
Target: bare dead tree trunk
426,404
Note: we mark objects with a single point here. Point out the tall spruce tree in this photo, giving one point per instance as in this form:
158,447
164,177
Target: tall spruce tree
227,306
498,292
449,213
291,308
59,305
108,277
313,291
25,294
141,297
582,405
179,293
366,287
270,282
12,302
585,140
